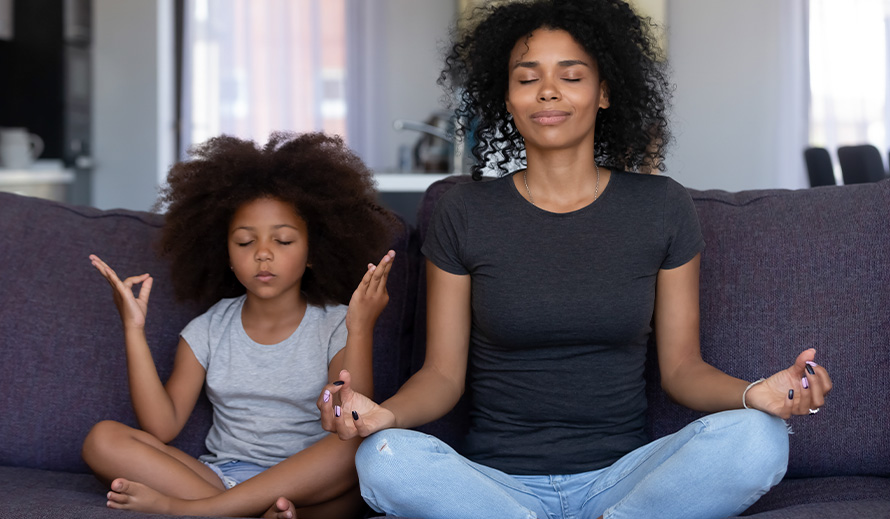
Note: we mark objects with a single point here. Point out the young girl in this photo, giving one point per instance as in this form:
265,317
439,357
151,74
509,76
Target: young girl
544,287
279,236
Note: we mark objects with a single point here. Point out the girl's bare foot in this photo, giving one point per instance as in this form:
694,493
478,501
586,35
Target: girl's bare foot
282,509
129,495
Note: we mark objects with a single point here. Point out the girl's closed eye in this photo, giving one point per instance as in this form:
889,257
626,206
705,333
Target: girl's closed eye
243,243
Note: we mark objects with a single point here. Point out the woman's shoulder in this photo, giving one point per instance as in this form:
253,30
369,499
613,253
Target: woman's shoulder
654,184
471,193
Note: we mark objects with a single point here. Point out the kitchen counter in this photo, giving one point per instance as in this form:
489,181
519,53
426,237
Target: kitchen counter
45,179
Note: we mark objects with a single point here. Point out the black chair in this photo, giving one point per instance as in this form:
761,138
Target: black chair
862,163
819,167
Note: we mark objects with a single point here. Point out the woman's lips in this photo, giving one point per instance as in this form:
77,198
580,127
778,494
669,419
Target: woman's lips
548,117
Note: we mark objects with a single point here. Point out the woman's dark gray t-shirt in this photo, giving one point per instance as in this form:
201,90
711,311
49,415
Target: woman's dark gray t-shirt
561,314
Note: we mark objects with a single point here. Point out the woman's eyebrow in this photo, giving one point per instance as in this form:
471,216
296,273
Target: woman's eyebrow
563,63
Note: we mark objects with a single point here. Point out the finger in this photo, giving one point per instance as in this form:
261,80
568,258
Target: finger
380,272
359,424
800,363
387,268
366,280
325,403
145,289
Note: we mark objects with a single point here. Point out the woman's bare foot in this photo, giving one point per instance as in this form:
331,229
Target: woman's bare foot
129,495
282,509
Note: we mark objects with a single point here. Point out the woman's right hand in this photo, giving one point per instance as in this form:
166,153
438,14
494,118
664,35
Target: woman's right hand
358,414
132,309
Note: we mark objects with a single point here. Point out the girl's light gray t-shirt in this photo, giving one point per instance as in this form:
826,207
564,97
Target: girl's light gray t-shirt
264,396
562,306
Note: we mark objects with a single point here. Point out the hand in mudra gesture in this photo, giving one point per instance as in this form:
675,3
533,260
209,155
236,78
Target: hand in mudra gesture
797,390
355,414
132,309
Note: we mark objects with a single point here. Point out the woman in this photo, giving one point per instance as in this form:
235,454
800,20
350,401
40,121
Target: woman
543,288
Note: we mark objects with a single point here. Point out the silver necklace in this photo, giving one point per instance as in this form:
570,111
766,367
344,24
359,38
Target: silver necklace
596,189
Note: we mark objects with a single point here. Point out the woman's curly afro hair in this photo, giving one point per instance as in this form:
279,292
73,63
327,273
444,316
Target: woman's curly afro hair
631,134
327,184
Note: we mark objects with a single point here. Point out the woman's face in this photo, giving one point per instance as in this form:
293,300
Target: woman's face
554,91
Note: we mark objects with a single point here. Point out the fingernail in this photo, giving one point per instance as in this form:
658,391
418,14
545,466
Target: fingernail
805,383
354,415
339,383
790,394
810,369
337,411
811,363
327,395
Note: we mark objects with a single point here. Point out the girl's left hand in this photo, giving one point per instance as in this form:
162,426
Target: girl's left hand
370,297
798,390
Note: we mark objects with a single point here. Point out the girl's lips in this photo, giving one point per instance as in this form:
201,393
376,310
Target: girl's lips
548,117
265,276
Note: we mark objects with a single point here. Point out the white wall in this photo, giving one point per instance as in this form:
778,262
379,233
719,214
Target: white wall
737,121
132,110
399,65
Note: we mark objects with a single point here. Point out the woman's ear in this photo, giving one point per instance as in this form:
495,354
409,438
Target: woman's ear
604,95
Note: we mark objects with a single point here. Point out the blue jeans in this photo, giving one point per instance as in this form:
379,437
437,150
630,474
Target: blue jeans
715,467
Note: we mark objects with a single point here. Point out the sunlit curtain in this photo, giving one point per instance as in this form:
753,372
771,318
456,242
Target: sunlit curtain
252,67
848,73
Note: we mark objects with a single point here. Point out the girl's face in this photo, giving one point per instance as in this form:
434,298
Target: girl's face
554,91
268,248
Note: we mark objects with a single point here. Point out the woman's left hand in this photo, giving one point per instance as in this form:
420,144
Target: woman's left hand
798,390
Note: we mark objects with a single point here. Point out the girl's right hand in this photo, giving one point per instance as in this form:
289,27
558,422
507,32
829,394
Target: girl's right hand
358,414
133,309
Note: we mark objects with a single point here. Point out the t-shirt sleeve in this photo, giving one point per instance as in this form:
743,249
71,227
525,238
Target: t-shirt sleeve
682,228
446,233
197,335
337,339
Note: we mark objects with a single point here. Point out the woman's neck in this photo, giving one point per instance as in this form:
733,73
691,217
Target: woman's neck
561,180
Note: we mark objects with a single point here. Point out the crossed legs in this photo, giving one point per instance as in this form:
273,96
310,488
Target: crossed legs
147,475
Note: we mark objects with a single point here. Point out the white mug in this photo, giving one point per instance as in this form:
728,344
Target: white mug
18,148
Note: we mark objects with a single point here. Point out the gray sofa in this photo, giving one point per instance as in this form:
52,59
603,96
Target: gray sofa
782,271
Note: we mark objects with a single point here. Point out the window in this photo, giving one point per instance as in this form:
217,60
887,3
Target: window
250,68
848,71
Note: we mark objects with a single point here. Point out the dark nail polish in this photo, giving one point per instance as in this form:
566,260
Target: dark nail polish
354,415
339,383
790,394
810,370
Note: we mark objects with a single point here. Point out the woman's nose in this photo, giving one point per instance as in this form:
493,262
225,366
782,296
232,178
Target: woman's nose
548,91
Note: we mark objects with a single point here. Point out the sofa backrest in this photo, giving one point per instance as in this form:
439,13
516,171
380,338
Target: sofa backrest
62,360
782,271
61,344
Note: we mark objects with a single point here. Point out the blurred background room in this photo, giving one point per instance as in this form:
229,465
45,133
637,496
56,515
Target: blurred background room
99,97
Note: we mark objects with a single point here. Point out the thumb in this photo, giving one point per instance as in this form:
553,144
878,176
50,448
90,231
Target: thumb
346,389
805,356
